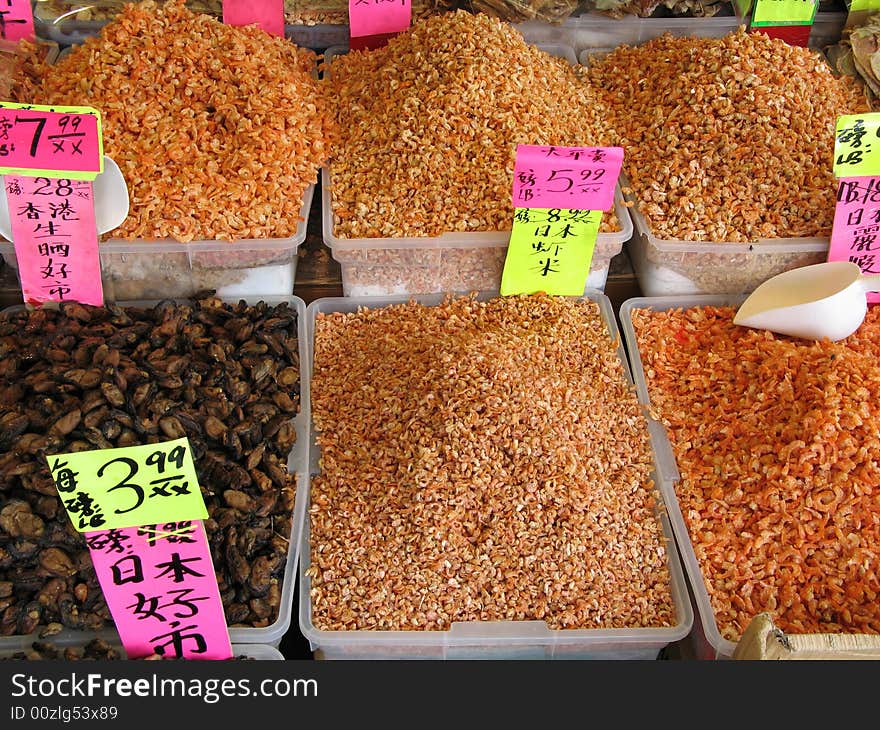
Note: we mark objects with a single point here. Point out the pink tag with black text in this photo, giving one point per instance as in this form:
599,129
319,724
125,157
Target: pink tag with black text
53,141
16,20
581,178
55,238
161,589
855,235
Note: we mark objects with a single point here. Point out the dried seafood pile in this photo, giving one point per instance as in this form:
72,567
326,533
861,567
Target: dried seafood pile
80,377
296,12
858,55
727,139
429,124
481,461
218,130
777,444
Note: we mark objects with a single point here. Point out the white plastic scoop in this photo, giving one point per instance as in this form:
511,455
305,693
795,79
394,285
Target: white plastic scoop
812,302
111,201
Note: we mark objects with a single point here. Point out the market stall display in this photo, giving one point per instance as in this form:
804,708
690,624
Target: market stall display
729,145
482,485
224,375
219,132
775,442
417,195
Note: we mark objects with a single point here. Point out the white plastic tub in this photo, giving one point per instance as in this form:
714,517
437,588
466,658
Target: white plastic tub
450,262
482,640
673,267
164,268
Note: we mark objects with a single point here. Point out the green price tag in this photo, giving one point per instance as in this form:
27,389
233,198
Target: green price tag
857,5
857,145
550,251
784,12
128,487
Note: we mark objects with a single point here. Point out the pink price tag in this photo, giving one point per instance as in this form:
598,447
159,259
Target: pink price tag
161,589
51,141
268,14
55,238
856,233
575,178
378,17
16,20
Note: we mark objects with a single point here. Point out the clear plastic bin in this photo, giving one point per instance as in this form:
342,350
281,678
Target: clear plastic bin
141,269
705,641
69,31
164,268
297,464
149,269
450,262
482,640
669,267
676,267
470,261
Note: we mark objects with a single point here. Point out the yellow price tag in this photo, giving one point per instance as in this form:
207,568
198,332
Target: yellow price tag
784,12
550,251
857,5
857,145
128,487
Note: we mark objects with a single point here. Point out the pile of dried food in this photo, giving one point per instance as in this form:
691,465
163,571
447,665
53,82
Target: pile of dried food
776,440
856,55
481,461
79,377
218,130
429,124
727,139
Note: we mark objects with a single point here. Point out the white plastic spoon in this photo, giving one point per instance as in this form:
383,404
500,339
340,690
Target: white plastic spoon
111,201
813,302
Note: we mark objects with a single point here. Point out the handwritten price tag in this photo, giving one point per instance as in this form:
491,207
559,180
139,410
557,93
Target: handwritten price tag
161,589
16,20
378,17
550,251
784,12
581,178
62,142
855,235
856,145
268,14
55,239
128,487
